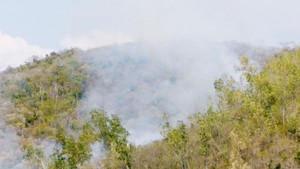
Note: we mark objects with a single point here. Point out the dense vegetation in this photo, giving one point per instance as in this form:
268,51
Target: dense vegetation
254,123
251,123
43,92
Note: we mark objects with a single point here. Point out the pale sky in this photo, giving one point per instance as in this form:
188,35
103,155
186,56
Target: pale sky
35,27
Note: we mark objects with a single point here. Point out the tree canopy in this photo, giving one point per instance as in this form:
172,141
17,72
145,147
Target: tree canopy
253,122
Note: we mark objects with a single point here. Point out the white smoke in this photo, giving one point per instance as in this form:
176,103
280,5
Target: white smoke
95,39
140,81
11,156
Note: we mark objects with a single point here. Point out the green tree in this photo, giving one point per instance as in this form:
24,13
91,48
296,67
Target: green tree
177,139
114,136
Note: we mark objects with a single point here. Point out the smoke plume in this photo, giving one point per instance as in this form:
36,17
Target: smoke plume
141,81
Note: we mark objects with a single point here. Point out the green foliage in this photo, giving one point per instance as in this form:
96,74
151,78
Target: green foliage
297,157
177,139
72,152
33,154
114,136
43,92
252,123
58,161
278,166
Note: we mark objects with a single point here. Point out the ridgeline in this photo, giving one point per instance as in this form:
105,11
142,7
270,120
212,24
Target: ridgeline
251,123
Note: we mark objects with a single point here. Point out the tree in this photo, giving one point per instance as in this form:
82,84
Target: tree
177,139
113,135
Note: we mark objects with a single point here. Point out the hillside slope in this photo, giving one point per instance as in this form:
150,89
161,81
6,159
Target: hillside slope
38,99
254,123
49,120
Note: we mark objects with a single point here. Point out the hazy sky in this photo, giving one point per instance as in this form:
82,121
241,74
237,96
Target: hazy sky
39,26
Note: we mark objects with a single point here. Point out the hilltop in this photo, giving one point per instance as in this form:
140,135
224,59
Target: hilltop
77,109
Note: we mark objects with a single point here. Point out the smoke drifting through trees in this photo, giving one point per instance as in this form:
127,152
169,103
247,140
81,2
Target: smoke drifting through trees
10,153
140,81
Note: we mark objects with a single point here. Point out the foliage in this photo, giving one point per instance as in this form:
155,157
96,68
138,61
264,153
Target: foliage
34,154
43,92
114,136
71,151
297,157
176,139
251,123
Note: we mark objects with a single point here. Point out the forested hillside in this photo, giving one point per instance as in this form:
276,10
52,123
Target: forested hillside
253,122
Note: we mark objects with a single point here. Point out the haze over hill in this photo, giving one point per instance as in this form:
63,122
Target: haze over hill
140,81
119,84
